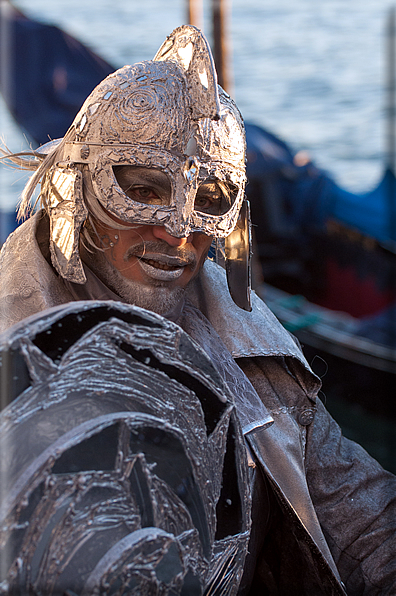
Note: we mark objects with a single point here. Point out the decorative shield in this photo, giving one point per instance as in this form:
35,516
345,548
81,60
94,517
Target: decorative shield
123,467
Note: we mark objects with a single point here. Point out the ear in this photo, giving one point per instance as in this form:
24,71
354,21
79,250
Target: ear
188,47
238,258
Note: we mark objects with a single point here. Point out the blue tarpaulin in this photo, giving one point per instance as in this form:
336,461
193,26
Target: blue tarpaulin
370,213
310,196
46,74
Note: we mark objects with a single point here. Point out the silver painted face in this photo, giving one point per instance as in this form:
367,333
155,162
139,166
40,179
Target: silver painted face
141,116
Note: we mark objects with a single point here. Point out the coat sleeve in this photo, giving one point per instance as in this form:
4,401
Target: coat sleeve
355,500
353,496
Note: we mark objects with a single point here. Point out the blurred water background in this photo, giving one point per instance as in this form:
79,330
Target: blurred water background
311,72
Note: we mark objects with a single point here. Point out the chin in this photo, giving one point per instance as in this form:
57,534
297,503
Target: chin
158,297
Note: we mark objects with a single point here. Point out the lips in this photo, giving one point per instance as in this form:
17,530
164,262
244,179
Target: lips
161,262
163,267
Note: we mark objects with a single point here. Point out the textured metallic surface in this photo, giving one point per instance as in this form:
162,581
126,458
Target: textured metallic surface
238,260
124,469
190,49
146,122
67,214
245,334
147,115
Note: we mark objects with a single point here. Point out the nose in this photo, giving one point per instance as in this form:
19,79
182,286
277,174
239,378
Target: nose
161,233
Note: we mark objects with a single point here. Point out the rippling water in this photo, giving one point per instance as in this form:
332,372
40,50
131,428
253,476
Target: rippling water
312,72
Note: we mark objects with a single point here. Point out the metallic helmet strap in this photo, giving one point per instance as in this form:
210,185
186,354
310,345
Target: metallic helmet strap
238,259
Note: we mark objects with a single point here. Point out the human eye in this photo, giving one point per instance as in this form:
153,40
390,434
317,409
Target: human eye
214,198
143,194
143,185
203,203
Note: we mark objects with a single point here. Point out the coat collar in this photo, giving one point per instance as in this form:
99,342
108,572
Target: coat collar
246,334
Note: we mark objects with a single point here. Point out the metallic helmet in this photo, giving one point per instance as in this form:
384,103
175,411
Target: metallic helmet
166,114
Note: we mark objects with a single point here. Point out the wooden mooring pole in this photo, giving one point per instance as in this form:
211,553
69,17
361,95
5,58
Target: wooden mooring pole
220,40
220,43
195,13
